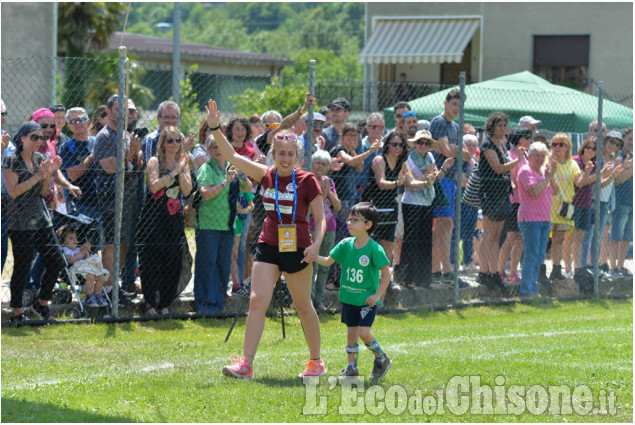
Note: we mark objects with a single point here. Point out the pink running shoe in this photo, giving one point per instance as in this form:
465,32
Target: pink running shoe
240,368
313,368
513,278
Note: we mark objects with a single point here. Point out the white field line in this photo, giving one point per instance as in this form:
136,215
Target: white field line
399,348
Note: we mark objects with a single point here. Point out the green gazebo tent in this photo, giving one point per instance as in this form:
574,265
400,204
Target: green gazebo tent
559,108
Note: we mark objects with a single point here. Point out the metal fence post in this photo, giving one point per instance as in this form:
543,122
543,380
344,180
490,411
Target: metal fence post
119,180
308,137
459,190
597,232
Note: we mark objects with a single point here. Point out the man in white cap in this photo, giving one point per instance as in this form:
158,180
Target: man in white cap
529,122
133,115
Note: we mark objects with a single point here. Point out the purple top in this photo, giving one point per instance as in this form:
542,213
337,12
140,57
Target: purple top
583,196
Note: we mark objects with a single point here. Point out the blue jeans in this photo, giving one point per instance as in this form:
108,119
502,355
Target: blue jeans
604,210
535,238
212,266
469,216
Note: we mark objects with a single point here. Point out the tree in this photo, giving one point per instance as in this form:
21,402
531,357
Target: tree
283,99
82,29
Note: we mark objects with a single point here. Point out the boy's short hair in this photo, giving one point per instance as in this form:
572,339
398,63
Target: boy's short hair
367,211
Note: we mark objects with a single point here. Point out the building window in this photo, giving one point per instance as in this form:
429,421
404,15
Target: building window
562,59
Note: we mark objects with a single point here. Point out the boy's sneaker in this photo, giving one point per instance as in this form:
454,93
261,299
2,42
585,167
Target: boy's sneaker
43,311
101,301
240,369
350,371
313,368
380,367
91,301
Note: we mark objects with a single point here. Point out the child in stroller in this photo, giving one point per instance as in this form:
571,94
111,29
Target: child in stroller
84,263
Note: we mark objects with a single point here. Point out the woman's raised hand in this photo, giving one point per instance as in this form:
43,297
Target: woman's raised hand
213,114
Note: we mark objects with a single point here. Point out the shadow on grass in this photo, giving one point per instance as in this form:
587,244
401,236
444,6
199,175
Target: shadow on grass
27,411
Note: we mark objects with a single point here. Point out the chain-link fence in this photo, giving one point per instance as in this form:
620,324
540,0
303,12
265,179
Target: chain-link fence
525,218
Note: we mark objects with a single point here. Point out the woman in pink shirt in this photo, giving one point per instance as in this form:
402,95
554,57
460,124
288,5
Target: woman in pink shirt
535,187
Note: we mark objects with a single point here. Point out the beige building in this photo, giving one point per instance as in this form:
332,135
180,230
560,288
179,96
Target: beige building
577,44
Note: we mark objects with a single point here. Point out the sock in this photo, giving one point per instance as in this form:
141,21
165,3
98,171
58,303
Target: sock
355,352
375,348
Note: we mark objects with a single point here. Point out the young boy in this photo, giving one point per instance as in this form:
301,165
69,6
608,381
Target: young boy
362,260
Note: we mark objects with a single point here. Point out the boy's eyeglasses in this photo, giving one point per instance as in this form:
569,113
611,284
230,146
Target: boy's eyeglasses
78,120
170,141
272,125
355,220
290,137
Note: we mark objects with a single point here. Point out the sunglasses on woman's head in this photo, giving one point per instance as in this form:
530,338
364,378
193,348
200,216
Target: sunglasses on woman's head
290,137
47,126
170,141
37,138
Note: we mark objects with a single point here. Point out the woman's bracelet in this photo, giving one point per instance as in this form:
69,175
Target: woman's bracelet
215,128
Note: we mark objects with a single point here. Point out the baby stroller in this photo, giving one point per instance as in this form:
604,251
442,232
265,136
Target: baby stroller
87,229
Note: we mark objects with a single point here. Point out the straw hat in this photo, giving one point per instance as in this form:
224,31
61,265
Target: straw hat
424,134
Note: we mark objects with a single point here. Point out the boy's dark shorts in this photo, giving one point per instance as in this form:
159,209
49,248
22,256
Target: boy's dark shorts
358,315
289,262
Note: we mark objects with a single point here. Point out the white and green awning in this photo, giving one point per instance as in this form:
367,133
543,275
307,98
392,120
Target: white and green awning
418,40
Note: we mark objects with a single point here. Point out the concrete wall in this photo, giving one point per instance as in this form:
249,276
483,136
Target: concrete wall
27,30
508,31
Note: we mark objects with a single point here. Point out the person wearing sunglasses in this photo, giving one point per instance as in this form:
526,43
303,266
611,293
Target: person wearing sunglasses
77,161
285,243
317,140
568,176
583,216
27,175
610,150
387,174
168,114
375,131
400,109
161,232
421,173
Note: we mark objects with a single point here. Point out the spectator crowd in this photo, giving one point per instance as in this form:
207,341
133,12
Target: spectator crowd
525,197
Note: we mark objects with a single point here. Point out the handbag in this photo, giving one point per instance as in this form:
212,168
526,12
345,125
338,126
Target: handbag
566,210
470,194
190,212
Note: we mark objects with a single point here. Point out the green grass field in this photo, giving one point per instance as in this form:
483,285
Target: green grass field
169,371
